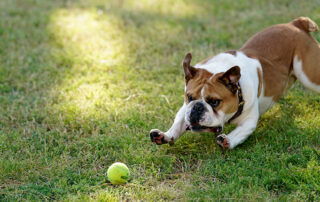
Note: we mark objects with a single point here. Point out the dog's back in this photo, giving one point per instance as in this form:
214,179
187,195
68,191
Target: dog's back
279,49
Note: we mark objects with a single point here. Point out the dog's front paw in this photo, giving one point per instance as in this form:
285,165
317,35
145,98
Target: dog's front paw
223,141
157,136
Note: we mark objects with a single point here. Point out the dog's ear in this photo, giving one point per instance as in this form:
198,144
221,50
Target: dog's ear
189,71
230,78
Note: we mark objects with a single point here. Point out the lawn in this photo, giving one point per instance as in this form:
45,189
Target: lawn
83,82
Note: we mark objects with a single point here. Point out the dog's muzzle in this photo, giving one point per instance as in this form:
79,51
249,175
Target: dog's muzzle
196,115
197,112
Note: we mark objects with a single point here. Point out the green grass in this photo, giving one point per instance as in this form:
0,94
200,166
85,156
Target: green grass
82,83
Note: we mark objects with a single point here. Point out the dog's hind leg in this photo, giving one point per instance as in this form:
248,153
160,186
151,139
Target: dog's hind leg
306,61
304,78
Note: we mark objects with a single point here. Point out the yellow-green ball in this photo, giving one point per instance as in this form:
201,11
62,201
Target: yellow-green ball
118,173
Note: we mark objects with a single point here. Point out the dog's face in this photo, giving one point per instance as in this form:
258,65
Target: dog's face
211,98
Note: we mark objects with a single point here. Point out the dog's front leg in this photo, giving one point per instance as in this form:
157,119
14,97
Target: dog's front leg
241,132
176,130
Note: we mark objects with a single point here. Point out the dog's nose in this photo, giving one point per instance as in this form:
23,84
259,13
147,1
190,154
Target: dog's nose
198,107
196,113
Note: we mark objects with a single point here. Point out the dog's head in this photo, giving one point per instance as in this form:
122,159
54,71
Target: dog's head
211,98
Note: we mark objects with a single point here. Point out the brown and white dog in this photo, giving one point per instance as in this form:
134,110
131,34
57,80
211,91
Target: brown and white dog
239,86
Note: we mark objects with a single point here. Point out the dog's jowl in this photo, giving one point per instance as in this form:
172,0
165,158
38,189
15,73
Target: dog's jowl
238,86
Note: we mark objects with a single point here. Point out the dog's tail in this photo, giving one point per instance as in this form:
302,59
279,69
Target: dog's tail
306,24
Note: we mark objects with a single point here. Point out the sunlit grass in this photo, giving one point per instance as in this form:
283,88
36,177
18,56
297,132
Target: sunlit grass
95,52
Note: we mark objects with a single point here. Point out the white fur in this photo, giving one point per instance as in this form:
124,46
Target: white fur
178,126
297,68
207,120
245,128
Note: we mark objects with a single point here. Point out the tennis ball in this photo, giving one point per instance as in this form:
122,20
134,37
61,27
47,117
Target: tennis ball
118,173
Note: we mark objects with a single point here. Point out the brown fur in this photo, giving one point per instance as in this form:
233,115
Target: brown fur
216,90
306,24
309,53
276,47
195,84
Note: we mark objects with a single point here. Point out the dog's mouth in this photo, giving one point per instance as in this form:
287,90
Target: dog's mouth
198,128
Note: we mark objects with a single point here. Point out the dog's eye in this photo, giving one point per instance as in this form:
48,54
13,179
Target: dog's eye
190,98
214,103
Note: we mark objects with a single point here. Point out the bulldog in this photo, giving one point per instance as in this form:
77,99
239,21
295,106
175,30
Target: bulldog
238,86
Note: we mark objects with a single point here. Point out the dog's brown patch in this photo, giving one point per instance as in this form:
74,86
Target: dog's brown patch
284,41
214,89
306,24
274,59
308,49
195,85
310,57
